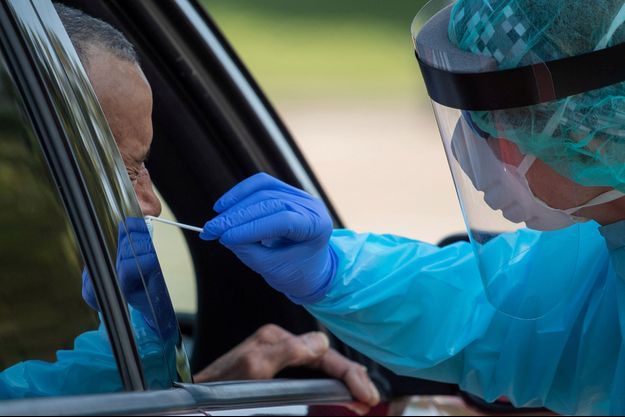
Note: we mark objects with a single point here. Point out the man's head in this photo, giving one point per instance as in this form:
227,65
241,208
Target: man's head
124,93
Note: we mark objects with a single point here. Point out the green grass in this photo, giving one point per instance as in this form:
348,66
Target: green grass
324,48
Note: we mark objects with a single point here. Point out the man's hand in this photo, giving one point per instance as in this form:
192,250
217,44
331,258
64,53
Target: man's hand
272,349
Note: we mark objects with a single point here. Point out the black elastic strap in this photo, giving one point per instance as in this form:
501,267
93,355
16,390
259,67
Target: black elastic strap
526,86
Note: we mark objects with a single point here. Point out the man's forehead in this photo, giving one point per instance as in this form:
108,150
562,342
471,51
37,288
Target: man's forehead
126,99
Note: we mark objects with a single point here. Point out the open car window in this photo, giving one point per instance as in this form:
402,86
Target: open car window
122,289
51,342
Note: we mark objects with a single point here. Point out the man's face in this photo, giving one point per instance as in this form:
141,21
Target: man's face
126,99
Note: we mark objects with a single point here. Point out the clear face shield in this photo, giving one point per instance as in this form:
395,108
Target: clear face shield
528,163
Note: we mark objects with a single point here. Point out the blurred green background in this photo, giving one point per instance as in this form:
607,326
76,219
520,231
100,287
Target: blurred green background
343,76
312,49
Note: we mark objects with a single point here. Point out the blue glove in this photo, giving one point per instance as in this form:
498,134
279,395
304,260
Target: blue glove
280,232
141,278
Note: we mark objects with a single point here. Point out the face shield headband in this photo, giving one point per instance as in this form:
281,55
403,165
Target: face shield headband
466,81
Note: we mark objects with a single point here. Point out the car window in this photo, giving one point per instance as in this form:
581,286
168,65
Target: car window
51,341
176,262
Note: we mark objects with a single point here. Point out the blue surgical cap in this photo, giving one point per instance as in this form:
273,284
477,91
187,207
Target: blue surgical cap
582,137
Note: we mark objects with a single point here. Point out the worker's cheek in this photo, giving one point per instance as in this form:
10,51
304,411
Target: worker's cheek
149,202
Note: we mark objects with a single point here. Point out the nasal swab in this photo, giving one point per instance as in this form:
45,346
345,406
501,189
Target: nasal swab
180,225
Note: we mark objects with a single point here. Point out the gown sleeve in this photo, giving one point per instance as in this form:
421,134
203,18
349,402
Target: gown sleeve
421,311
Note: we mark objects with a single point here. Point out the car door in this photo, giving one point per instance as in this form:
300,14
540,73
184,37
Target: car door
78,335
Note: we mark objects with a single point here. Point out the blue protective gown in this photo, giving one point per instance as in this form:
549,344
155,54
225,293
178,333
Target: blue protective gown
421,311
90,368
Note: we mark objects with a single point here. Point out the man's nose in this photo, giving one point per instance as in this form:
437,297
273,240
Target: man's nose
151,204
148,200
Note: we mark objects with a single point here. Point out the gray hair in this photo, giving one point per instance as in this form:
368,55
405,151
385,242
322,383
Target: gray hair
87,32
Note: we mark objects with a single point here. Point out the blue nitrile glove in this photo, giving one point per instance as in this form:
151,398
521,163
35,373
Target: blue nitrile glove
280,232
141,278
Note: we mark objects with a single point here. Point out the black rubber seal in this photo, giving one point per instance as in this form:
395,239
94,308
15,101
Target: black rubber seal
526,86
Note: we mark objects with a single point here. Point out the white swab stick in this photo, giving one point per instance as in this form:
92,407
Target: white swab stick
180,225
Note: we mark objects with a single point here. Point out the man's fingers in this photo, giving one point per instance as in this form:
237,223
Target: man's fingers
317,342
299,351
270,333
354,375
361,386
248,187
270,357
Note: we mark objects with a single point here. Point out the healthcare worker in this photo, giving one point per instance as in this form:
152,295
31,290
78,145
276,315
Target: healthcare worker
530,100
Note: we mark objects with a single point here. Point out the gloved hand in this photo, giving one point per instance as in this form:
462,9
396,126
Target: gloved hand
280,232
141,278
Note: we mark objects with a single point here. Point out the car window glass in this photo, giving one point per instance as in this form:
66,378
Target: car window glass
51,341
175,258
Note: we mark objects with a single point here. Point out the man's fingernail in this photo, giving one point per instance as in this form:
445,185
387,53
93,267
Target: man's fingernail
374,394
318,343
